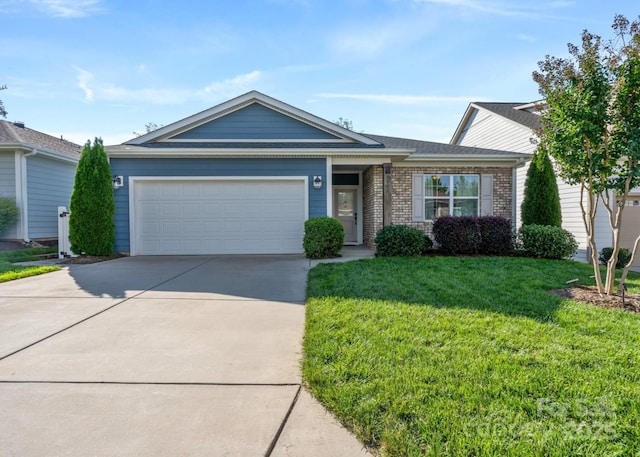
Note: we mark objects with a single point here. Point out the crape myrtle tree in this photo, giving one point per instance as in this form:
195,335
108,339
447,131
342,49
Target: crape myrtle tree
541,203
591,127
91,224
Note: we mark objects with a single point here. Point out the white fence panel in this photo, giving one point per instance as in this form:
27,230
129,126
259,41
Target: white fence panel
64,245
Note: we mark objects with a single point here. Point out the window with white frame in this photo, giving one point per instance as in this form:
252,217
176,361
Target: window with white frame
451,195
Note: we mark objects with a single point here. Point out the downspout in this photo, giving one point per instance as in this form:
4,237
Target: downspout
23,193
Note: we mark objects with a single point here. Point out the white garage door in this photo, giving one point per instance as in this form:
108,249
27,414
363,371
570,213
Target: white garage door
221,216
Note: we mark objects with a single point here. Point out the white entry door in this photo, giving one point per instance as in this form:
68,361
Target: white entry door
345,203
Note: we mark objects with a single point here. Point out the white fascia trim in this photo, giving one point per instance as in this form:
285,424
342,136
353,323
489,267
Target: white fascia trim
462,124
252,140
29,148
458,163
255,152
133,234
238,103
329,186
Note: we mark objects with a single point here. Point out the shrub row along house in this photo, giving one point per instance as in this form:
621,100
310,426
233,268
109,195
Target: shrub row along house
243,176
512,127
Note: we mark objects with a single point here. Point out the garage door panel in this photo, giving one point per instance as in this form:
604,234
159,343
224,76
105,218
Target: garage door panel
219,217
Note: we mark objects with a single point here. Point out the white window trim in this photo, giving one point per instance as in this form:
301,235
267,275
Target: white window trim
451,197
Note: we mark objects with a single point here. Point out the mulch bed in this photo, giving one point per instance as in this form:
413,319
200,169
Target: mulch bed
590,295
86,259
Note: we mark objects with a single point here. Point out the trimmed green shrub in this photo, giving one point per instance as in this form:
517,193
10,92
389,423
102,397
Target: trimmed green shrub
91,224
457,234
8,214
541,204
400,241
546,241
624,256
323,237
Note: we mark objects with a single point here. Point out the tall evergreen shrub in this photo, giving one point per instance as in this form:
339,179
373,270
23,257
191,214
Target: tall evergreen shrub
91,224
541,204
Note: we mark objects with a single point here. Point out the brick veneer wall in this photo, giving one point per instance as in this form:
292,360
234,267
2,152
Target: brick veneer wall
402,187
372,203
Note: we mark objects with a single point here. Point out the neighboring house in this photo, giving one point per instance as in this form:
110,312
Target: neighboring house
243,176
511,127
37,171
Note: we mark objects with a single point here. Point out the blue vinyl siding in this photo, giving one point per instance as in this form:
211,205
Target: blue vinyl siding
212,167
255,122
49,185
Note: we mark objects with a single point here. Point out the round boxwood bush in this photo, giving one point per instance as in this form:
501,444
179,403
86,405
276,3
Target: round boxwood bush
8,214
400,241
624,256
323,237
546,241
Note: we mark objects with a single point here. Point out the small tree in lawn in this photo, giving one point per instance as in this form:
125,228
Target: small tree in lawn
541,204
591,127
91,225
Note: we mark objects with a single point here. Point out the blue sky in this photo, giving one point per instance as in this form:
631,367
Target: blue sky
408,68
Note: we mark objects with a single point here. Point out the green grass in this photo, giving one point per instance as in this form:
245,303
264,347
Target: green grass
9,272
455,356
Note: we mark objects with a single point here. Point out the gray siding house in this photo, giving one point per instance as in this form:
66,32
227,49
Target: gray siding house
36,171
243,176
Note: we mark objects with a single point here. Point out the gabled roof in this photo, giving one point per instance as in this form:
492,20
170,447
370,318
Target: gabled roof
514,112
16,135
177,131
430,150
518,113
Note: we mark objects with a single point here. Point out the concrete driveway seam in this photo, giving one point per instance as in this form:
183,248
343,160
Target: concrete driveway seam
285,419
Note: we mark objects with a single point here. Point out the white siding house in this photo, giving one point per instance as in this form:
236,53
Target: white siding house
511,127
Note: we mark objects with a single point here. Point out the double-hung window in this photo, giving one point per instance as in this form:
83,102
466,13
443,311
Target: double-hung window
451,195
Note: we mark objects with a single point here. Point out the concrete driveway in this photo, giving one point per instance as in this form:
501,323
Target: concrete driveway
161,356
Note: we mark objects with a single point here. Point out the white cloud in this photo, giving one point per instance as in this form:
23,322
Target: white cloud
68,8
233,86
400,99
84,79
94,90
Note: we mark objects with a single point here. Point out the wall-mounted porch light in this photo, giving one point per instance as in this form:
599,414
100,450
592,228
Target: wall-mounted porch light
118,182
317,182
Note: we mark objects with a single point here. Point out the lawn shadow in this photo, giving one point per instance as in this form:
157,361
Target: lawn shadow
507,285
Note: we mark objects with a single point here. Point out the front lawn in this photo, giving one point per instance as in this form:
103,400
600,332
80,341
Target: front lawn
470,356
9,271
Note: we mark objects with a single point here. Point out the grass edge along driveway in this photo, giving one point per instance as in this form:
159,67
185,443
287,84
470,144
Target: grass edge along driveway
9,271
470,356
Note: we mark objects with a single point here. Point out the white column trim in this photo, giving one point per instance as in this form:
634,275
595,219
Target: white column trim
329,186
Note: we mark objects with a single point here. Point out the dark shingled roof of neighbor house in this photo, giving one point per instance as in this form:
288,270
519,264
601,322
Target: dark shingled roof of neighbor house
509,111
13,133
432,148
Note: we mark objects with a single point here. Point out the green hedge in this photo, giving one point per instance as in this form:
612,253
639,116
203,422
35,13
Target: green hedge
401,241
323,237
546,241
624,256
8,214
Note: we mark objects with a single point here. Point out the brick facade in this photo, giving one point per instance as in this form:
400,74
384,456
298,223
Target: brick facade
372,206
401,196
402,212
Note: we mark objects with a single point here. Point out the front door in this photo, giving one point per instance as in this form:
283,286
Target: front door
346,207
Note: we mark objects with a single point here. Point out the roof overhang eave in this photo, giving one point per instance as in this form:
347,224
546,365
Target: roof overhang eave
132,152
29,148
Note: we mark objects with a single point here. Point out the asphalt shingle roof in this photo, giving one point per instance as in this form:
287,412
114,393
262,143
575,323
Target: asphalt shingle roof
11,133
509,111
432,148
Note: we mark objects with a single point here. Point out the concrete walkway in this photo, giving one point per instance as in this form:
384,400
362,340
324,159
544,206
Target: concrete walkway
161,356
